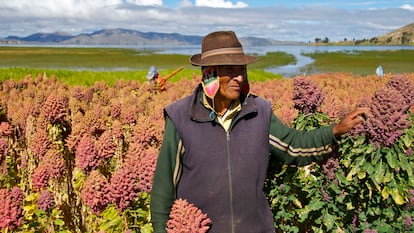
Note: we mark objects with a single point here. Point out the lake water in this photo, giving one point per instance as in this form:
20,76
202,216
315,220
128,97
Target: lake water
295,50
286,71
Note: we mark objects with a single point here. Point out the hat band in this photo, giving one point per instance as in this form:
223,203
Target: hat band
222,51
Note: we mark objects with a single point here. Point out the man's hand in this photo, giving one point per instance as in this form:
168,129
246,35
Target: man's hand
349,121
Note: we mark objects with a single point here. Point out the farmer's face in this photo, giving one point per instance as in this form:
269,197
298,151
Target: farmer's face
232,78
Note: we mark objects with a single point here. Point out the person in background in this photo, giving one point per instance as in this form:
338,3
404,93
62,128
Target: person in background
154,76
218,142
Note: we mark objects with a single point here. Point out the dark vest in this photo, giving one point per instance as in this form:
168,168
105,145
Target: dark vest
223,173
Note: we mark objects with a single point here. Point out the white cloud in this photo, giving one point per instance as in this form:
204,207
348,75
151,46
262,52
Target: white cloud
71,8
25,17
407,7
185,3
220,4
145,2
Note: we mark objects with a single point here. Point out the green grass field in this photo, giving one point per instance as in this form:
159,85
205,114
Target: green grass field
85,66
362,62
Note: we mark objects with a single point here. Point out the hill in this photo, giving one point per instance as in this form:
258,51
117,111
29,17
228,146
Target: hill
121,36
131,37
109,37
50,37
401,36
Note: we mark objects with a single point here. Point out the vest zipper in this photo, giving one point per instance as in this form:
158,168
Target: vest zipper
230,182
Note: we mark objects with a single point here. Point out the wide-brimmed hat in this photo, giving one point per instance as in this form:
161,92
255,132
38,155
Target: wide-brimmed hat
221,48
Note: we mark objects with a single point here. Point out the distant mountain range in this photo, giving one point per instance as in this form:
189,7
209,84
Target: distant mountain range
121,36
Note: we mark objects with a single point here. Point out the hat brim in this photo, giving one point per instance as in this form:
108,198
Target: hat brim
224,59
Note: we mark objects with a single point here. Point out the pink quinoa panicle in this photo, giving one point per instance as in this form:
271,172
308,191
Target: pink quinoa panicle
362,127
87,157
411,198
117,130
3,153
116,110
96,192
133,156
11,208
105,145
40,143
82,93
134,176
129,114
55,163
404,85
55,108
124,187
76,93
147,169
40,177
388,117
187,218
87,94
330,165
93,120
46,200
145,132
307,95
408,222
332,107
77,133
6,129
3,149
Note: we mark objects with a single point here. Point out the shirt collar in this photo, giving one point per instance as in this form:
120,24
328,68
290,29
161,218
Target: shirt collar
234,107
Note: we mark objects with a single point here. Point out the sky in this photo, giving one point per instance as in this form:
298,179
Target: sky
284,20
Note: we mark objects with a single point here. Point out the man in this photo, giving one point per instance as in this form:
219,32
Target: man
218,142
154,76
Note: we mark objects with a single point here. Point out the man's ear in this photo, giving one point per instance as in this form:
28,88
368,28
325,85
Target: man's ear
245,89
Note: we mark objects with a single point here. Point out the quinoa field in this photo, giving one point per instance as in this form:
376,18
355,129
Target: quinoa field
81,157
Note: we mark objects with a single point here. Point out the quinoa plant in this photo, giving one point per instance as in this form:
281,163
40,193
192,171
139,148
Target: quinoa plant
377,163
365,184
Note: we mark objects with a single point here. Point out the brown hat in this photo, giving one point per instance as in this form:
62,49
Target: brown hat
221,48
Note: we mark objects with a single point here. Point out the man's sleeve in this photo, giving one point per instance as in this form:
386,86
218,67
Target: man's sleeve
300,148
163,190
